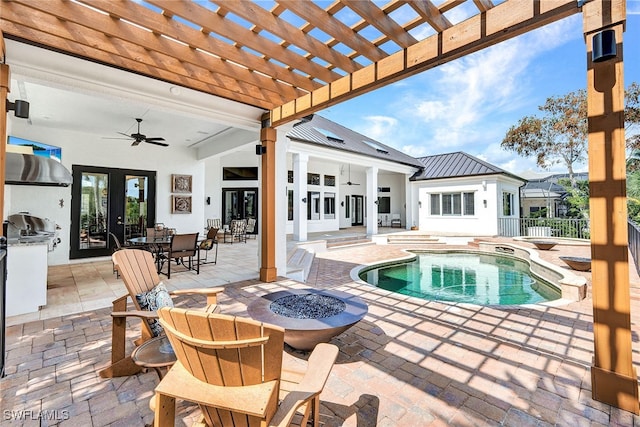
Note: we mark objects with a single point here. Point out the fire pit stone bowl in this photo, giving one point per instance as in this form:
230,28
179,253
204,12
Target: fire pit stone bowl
577,263
309,316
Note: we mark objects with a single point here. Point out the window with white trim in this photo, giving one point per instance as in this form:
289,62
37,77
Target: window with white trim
452,204
507,203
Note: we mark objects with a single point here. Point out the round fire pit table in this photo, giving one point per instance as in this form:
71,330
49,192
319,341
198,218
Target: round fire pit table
544,245
309,316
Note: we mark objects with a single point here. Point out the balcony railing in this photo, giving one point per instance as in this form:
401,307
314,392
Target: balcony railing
544,227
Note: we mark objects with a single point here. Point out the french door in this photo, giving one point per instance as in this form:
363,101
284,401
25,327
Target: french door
239,203
357,210
109,200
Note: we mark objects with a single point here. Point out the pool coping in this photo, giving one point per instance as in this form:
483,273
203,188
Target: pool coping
572,286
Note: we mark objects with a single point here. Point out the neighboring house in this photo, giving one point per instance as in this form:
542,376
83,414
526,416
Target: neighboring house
460,194
545,193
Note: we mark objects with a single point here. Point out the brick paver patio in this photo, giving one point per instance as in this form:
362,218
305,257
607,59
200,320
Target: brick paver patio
408,363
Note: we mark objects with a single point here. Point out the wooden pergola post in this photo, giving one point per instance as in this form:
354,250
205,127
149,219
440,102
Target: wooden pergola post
613,376
268,272
5,87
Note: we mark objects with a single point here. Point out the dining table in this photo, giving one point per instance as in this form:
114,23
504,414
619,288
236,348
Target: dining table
155,244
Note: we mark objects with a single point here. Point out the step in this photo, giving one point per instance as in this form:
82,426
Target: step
412,238
299,264
344,243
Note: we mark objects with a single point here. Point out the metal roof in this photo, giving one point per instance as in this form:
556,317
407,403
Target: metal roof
315,129
458,164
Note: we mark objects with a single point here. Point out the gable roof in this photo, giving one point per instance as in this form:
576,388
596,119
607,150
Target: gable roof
458,164
315,129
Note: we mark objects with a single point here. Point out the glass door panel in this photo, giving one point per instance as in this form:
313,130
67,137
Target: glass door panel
94,213
108,200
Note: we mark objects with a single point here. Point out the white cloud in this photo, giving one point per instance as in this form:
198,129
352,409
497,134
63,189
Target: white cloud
379,127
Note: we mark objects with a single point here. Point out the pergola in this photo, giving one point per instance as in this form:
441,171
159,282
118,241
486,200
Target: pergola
294,57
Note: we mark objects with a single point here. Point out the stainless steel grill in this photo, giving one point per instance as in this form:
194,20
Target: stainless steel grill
25,228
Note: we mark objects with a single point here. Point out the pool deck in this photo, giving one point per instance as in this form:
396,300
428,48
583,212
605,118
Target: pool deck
407,363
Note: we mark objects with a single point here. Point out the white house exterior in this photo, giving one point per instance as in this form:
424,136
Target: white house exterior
459,194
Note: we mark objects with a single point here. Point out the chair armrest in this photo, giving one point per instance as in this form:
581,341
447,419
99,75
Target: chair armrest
210,293
319,367
199,291
143,314
253,400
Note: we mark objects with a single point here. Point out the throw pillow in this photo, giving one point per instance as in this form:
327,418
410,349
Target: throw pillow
153,300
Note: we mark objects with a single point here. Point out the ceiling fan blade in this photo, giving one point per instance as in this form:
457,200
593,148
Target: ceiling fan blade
106,137
136,142
125,134
157,138
162,144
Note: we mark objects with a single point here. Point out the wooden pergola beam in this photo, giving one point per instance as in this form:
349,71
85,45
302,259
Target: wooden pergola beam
505,21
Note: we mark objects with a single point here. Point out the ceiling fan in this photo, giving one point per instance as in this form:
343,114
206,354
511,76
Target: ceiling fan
138,137
349,181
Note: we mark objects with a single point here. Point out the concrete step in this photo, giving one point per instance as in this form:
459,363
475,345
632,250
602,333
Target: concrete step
412,238
299,264
347,241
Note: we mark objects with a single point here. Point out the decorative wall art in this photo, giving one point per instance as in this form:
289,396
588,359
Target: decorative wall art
180,183
181,204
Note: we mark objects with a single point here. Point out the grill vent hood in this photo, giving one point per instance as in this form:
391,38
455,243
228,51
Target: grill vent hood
28,169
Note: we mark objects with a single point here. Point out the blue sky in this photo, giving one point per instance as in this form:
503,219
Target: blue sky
469,104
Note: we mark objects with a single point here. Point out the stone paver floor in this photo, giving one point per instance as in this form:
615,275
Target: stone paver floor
407,363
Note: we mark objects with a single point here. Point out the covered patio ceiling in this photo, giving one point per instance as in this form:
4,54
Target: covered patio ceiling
287,56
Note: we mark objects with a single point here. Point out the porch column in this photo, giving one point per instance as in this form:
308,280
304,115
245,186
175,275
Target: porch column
411,213
613,376
300,163
268,271
372,200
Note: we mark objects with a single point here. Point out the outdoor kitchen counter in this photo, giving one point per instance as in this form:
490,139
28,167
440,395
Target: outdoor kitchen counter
26,275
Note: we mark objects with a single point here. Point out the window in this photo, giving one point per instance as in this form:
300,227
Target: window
313,178
329,205
347,206
290,205
469,203
313,205
455,204
330,180
240,174
384,205
507,203
451,204
384,189
290,177
435,204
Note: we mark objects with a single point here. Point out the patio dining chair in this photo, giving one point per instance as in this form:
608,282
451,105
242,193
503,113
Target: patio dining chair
146,291
238,230
209,244
184,250
214,223
251,228
237,371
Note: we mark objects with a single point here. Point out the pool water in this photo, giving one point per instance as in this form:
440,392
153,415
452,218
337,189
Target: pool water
483,279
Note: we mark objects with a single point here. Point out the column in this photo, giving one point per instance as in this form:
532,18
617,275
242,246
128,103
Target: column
372,200
268,271
300,164
613,376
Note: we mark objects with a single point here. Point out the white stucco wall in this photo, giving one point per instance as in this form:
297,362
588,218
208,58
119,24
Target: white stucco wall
487,200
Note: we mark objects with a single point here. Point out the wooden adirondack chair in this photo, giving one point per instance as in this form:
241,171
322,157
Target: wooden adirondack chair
233,368
139,274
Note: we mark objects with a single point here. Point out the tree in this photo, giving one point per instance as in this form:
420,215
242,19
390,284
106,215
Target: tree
560,134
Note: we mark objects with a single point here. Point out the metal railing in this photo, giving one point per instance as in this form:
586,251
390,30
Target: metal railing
544,227
634,242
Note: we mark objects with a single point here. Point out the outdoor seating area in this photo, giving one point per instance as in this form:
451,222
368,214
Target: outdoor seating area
407,362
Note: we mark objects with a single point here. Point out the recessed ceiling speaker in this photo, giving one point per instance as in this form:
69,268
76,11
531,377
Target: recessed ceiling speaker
604,46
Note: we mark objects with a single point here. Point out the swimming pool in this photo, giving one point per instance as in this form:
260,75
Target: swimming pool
476,278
